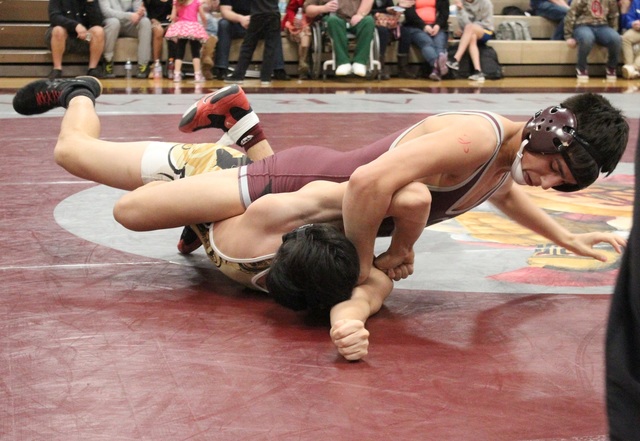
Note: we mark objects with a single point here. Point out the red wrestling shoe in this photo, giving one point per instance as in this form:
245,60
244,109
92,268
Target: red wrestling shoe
40,96
227,109
189,241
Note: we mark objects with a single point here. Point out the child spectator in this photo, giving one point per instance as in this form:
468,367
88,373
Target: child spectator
475,18
186,28
159,12
264,23
298,30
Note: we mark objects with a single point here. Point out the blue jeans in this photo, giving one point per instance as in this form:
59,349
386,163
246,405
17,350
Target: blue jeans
227,31
605,36
554,13
430,47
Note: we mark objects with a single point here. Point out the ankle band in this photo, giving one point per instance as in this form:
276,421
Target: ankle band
78,91
251,138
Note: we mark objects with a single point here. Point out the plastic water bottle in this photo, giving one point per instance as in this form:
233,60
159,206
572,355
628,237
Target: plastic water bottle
297,21
282,6
157,70
127,69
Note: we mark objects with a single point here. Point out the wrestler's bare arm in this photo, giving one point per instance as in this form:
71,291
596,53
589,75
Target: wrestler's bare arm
515,203
454,151
348,318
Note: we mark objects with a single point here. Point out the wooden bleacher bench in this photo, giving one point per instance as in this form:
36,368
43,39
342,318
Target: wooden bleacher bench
23,50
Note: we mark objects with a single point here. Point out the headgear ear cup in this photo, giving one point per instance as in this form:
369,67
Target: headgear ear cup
516,167
554,130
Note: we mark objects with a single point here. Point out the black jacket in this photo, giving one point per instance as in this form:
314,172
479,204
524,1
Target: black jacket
68,13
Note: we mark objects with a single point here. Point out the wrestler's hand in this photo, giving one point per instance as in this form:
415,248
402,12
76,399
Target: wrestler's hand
397,267
351,338
582,244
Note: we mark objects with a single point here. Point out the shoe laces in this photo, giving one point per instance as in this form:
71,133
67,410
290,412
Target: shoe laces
47,97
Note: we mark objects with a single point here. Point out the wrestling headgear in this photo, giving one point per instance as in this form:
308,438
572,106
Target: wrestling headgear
554,130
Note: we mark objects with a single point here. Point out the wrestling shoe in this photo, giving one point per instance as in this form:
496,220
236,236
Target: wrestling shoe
227,109
189,241
40,96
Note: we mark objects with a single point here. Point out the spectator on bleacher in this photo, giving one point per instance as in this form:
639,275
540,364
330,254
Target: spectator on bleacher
475,18
159,12
76,27
126,18
347,16
630,24
212,15
554,10
185,28
385,8
426,26
593,21
298,32
236,16
264,24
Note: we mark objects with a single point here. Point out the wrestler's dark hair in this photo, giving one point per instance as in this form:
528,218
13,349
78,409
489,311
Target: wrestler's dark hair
604,128
315,268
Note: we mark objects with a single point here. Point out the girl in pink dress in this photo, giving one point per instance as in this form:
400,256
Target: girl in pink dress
186,28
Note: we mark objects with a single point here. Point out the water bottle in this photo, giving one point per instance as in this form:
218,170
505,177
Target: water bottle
127,69
282,6
157,70
297,21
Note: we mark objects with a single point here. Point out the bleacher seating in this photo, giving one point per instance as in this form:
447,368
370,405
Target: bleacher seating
23,50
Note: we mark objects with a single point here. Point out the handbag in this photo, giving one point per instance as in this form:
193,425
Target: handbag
389,21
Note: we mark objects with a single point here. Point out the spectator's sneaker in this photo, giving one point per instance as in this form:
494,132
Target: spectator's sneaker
143,71
265,83
453,64
189,241
611,74
433,76
477,76
582,75
43,95
95,72
198,78
359,69
54,74
177,77
108,70
280,75
227,109
221,73
344,70
441,63
231,79
629,72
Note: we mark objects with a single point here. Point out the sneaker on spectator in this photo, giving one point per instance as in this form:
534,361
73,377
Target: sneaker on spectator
280,75
265,83
453,64
343,70
611,74
433,76
43,95
143,71
582,75
108,70
227,109
95,72
231,79
55,73
477,76
198,78
359,69
177,77
629,72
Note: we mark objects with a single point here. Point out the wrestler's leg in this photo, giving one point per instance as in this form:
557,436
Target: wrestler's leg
81,153
208,197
